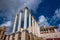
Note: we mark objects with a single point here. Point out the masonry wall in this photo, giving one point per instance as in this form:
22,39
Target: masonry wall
2,33
28,37
51,36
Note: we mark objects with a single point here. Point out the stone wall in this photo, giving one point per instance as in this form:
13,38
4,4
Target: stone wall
50,35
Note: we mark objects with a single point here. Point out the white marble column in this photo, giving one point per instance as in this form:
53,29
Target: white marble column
19,22
19,25
33,25
29,19
15,22
38,30
30,22
35,28
25,17
24,32
14,27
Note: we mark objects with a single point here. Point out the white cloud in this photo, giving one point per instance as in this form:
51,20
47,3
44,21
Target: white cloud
7,24
12,7
56,16
57,13
59,27
43,21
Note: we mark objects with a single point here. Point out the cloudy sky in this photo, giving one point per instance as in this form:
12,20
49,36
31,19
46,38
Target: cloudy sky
46,12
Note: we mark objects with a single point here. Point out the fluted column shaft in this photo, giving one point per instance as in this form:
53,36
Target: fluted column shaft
25,18
15,22
30,22
38,30
14,27
29,19
33,24
35,28
19,23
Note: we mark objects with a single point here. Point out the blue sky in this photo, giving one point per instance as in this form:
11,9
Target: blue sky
46,12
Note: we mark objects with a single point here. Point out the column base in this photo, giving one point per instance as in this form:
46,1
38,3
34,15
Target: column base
31,36
12,36
24,35
18,36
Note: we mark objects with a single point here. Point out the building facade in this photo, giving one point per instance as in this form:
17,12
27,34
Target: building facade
2,33
31,29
